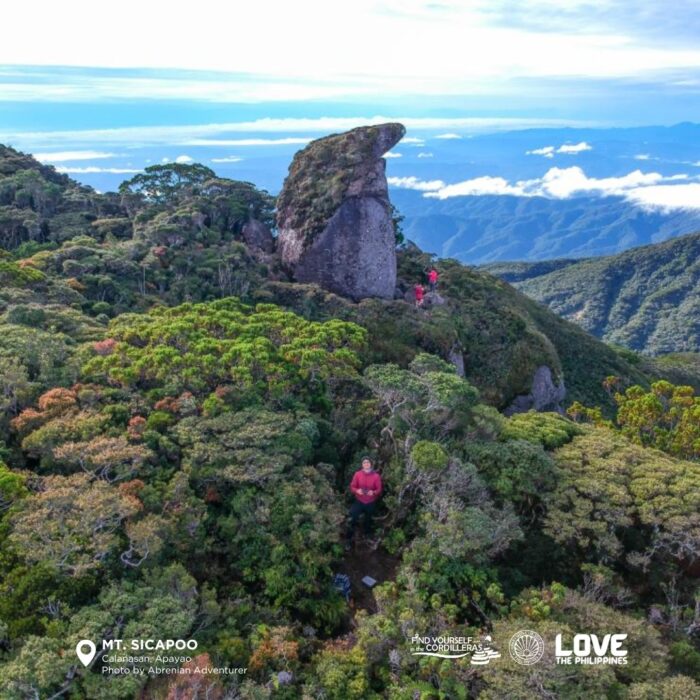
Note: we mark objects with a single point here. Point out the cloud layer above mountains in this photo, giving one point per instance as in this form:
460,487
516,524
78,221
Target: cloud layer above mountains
651,190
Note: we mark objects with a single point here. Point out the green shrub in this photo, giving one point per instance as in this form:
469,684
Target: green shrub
547,429
101,307
159,420
429,456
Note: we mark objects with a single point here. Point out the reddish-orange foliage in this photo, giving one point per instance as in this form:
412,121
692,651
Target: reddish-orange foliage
56,400
222,391
169,403
75,284
195,682
132,488
27,420
136,426
104,347
185,404
274,649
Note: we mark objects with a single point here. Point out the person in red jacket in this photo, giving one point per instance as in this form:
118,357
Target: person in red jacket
432,279
419,292
366,486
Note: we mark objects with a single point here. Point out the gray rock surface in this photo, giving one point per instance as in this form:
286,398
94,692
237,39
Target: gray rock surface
257,235
354,254
334,215
544,394
456,357
433,299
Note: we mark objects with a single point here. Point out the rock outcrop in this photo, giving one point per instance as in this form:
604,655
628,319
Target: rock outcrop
430,299
456,357
334,216
544,394
257,235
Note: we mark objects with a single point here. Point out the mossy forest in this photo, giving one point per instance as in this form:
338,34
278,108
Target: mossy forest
180,422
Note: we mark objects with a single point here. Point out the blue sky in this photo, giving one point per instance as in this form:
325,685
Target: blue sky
604,59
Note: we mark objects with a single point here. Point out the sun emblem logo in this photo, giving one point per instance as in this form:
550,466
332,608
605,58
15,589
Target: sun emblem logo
526,647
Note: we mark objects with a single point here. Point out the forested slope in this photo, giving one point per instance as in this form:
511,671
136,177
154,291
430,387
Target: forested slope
180,422
646,299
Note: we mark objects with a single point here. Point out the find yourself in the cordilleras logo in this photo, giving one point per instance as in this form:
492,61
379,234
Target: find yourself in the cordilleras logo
526,647
481,650
487,652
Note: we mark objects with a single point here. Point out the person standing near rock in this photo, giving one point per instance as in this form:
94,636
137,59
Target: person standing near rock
419,292
433,279
366,486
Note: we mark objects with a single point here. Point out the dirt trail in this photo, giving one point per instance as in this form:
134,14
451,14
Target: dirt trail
362,561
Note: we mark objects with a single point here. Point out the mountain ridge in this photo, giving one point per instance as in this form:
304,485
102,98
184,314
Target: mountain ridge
646,298
478,230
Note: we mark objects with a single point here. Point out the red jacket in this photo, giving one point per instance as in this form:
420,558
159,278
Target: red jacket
371,482
432,276
419,291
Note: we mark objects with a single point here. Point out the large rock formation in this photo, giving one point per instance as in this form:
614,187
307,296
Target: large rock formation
334,216
258,236
544,394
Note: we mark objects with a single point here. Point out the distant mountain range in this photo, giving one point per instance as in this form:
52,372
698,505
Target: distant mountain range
489,228
647,298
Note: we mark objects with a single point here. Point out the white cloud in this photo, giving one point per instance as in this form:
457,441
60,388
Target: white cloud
569,148
667,197
391,154
425,154
642,156
90,169
448,136
477,186
574,147
66,156
165,159
227,159
184,159
564,182
648,189
413,140
414,183
546,151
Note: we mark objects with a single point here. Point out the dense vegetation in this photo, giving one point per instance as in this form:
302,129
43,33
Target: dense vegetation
179,424
646,299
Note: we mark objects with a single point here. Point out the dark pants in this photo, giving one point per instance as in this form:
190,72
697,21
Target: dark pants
357,509
432,286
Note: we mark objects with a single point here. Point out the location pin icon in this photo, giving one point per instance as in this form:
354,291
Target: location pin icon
85,656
